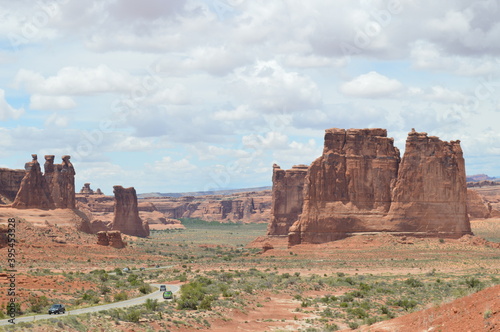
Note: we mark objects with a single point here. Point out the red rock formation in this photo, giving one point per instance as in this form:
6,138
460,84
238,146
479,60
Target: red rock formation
287,199
115,239
111,238
476,206
54,189
359,185
430,195
34,192
86,189
126,217
10,183
61,181
102,238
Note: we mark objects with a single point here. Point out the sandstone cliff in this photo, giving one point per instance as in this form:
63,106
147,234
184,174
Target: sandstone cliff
126,219
287,199
360,184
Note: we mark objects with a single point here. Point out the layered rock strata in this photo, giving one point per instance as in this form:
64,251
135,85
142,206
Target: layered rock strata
360,184
287,199
126,218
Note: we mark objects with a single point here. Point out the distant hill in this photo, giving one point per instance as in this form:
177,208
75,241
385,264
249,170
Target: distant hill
204,193
479,177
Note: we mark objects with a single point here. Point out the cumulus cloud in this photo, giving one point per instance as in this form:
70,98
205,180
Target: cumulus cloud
41,102
371,85
6,110
76,81
269,87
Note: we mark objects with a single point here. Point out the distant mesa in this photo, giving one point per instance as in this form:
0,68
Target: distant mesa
360,184
480,177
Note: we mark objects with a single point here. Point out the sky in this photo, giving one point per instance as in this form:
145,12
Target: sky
193,95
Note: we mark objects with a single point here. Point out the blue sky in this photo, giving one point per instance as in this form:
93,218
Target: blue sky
189,95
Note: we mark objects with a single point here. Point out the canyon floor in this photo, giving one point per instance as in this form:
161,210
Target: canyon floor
370,282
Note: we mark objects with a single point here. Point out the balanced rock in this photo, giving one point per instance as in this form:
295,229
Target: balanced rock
360,184
126,218
287,200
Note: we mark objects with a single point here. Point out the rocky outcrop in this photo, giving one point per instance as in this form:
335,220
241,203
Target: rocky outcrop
430,194
34,191
287,199
110,238
86,189
10,182
476,207
53,189
360,184
126,217
61,182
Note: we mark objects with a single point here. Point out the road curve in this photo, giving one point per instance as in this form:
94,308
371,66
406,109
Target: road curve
122,304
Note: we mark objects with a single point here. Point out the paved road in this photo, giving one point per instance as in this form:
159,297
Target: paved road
122,304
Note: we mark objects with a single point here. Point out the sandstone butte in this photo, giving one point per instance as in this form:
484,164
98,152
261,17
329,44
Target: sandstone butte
360,184
126,218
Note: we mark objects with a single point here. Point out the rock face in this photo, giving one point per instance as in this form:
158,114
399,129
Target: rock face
476,206
360,184
34,191
54,189
126,217
430,194
10,182
61,180
287,199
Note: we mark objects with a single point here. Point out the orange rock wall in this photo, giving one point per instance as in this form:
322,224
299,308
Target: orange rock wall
360,184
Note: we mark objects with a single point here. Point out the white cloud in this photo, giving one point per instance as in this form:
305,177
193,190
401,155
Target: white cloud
57,120
269,87
371,85
6,110
242,112
41,102
271,140
77,81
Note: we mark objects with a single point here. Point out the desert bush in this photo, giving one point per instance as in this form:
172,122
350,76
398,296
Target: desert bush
122,296
151,305
37,303
412,282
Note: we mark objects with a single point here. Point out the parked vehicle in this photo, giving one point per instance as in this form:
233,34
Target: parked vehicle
57,309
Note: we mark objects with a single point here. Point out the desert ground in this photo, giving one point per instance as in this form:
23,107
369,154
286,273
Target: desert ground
371,282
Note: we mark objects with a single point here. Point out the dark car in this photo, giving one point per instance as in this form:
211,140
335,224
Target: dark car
57,309
163,288
168,295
